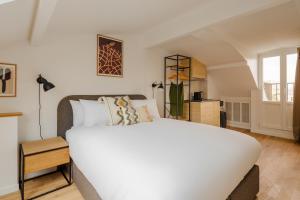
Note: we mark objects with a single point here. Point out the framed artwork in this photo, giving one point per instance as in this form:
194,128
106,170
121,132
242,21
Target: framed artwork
109,56
8,80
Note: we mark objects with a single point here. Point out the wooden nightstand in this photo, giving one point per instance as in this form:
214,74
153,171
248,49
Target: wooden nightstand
44,154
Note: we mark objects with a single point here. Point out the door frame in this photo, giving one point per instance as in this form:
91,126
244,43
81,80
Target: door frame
283,103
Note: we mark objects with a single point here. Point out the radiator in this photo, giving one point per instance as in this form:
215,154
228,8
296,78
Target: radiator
238,111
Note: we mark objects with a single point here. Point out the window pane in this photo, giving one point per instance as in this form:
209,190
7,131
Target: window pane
271,78
291,62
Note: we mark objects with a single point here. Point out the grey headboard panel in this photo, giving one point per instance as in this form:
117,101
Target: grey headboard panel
65,114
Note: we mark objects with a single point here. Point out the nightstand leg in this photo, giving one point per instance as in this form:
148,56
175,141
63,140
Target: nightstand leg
19,169
22,177
70,171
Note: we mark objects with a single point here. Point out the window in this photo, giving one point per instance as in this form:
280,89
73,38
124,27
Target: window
271,78
291,62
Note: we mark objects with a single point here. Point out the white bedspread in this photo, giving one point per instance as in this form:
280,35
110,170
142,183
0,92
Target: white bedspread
163,160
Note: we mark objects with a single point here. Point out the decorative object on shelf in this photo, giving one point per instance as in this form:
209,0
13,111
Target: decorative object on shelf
198,96
8,77
46,86
109,56
156,85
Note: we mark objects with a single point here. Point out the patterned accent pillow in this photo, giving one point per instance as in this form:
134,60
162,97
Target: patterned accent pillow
144,114
130,115
113,108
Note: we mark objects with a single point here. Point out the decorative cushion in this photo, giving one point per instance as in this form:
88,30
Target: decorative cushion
144,114
151,105
130,115
113,108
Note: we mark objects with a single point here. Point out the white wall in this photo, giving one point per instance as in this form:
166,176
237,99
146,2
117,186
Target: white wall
70,63
8,155
229,82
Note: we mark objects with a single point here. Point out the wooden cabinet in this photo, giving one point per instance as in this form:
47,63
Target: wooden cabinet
198,69
206,112
43,154
46,160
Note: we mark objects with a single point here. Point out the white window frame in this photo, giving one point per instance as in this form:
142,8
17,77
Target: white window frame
283,69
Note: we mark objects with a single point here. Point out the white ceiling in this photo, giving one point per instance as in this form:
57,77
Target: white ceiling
15,20
266,30
205,46
115,17
232,40
221,37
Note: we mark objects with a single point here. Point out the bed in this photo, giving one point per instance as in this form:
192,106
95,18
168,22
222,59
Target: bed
149,161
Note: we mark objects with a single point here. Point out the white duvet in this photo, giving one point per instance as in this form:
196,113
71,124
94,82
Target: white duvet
163,160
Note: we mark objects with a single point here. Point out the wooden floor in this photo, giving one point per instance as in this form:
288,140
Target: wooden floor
279,174
279,165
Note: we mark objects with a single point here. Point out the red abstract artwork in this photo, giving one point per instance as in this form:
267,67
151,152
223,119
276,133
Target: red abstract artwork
109,57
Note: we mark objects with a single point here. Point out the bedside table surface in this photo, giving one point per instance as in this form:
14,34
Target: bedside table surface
32,147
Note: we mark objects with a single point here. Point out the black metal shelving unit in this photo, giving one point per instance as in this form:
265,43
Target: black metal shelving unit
175,60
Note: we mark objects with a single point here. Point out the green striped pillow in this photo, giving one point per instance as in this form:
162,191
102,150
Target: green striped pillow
130,115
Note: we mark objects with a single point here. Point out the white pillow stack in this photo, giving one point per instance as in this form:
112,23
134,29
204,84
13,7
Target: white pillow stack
78,113
94,113
88,113
91,113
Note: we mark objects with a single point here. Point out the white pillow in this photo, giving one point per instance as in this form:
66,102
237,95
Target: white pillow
94,113
78,113
151,105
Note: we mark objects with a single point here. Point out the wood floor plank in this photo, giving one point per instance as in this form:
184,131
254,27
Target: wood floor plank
279,174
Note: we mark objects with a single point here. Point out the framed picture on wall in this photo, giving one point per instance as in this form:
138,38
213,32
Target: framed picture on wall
8,80
109,56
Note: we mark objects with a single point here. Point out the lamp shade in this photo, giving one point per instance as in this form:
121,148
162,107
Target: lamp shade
46,84
161,86
154,84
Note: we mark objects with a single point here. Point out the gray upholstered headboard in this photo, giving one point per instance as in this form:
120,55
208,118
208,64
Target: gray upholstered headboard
65,114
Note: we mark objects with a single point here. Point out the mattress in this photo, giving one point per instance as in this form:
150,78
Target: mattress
163,160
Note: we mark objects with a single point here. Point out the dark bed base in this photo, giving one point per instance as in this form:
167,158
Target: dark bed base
246,190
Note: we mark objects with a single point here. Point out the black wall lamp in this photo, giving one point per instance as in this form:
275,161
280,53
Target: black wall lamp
160,85
46,86
156,85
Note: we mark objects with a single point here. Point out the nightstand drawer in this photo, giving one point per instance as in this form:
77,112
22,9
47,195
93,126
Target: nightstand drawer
40,161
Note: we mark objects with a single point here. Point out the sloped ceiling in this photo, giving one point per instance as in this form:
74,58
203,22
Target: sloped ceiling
225,41
115,17
85,16
270,29
233,82
205,46
232,40
15,20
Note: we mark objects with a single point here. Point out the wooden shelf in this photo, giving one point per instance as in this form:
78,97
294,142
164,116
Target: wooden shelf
13,114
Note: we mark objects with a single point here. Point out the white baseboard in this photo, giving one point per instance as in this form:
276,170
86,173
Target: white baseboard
9,189
274,132
238,125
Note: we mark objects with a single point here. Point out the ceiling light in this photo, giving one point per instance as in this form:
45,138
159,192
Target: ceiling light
5,1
